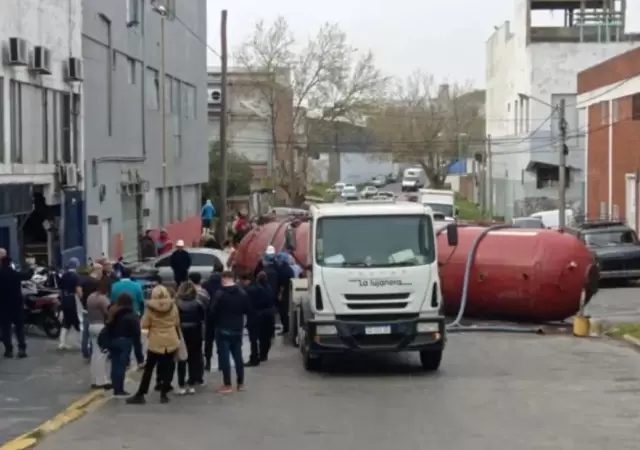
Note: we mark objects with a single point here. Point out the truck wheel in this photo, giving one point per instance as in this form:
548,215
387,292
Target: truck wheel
292,338
431,359
311,362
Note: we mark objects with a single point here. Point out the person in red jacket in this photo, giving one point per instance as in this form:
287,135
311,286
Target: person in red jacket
164,244
239,228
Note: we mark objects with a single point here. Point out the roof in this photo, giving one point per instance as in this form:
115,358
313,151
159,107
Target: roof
368,208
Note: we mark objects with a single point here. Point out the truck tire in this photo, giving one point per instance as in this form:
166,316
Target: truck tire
292,337
430,360
311,362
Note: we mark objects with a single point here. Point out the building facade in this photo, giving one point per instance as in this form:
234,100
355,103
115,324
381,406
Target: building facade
609,93
531,67
41,128
143,169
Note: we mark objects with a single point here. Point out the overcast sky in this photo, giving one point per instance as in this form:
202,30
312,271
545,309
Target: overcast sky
446,38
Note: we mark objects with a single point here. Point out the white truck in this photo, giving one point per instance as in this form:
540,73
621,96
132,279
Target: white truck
372,284
440,201
413,179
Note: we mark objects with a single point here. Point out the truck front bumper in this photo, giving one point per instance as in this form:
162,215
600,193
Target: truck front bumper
339,336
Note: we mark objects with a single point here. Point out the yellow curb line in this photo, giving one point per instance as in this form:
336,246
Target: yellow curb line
627,337
87,403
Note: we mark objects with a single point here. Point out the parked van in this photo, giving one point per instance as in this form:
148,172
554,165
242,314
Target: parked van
413,179
551,219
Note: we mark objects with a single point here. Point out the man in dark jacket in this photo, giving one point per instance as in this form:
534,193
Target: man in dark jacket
231,306
180,262
212,286
12,306
261,324
285,274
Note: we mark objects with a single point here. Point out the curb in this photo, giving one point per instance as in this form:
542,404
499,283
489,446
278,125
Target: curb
71,413
627,337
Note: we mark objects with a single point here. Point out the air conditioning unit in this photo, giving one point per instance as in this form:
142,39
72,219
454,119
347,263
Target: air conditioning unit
41,62
18,52
74,69
215,96
68,175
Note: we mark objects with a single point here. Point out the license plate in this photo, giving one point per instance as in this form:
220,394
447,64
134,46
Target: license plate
378,330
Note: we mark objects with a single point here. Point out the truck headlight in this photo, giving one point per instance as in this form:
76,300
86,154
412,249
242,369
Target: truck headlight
427,327
326,330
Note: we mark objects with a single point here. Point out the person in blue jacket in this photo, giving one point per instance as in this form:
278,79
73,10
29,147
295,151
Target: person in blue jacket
126,285
207,214
285,274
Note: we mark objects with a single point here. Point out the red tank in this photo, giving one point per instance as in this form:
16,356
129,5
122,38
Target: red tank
518,274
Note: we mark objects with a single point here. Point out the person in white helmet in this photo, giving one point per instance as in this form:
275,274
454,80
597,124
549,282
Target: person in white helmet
180,263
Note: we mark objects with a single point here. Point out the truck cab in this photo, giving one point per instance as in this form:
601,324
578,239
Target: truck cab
372,282
440,201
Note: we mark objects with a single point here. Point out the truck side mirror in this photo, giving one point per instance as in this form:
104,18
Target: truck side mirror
290,239
452,234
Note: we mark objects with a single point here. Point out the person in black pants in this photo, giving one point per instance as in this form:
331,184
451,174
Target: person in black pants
261,323
191,321
285,274
12,306
212,286
180,262
161,318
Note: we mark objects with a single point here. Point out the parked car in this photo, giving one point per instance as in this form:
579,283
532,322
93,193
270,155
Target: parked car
202,261
350,192
385,195
615,246
368,191
379,181
337,188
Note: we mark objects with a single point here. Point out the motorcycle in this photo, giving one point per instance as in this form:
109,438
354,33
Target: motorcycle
42,308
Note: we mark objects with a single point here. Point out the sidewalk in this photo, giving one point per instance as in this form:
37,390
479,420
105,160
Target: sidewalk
35,389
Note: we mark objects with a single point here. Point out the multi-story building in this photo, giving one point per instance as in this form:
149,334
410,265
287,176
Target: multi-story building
530,68
609,93
143,169
40,128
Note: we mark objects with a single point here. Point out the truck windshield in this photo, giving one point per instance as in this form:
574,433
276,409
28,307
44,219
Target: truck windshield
441,208
375,241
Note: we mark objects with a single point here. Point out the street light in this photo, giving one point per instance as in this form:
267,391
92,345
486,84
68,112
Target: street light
162,11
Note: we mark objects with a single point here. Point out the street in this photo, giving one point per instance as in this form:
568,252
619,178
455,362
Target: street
493,392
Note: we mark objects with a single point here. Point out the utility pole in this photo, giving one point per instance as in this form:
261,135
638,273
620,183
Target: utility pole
221,232
490,175
562,170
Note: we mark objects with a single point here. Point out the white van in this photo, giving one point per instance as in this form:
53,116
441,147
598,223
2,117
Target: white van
551,219
413,179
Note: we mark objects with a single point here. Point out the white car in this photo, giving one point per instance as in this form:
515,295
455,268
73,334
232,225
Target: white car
350,192
379,181
369,191
337,188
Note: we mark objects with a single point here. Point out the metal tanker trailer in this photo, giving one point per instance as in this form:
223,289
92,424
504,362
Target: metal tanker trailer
518,274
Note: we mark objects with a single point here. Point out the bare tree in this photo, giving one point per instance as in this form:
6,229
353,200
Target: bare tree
426,124
324,77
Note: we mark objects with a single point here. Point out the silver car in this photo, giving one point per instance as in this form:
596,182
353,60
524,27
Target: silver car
203,261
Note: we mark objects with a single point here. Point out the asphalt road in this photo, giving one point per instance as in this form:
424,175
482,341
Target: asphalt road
35,389
493,392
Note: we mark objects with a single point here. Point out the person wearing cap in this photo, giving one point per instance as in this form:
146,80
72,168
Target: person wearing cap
180,263
70,291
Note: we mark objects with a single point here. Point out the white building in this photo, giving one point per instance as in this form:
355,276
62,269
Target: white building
40,115
530,68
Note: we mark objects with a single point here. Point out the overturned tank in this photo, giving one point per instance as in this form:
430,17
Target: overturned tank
517,275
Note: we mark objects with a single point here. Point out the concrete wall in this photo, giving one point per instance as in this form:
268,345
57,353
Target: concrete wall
123,123
525,129
56,25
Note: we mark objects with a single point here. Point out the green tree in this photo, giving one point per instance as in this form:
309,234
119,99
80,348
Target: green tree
240,175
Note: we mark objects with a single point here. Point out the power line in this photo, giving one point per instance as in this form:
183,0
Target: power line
195,35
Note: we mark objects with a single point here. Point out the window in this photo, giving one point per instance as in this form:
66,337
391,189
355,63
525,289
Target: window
55,124
615,110
192,107
180,212
635,107
110,67
526,114
75,128
399,241
549,177
172,217
15,111
199,259
131,63
152,87
44,157
160,200
65,127
516,117
604,113
175,97
1,120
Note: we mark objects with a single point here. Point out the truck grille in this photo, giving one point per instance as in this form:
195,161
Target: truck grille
362,302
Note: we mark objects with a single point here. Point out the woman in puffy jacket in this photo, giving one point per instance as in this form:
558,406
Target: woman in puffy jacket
192,317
